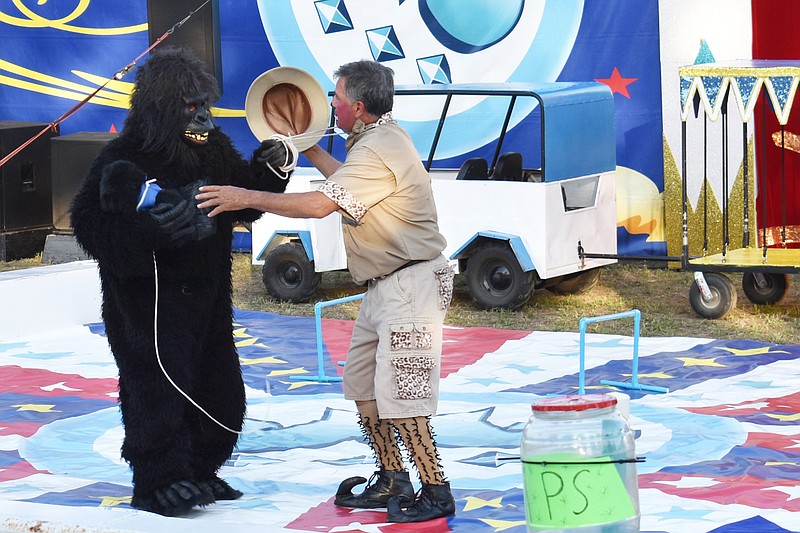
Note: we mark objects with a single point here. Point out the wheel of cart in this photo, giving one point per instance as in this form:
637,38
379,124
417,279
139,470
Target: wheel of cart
289,275
496,279
765,288
712,295
577,283
767,254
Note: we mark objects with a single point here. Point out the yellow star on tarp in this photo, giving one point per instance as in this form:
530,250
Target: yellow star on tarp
251,341
271,360
785,418
657,375
113,501
298,384
751,351
298,370
246,339
502,525
241,333
693,361
587,387
37,407
477,503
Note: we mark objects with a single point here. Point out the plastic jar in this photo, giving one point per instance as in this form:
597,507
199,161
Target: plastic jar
579,469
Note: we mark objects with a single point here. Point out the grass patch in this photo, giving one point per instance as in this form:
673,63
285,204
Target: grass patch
661,294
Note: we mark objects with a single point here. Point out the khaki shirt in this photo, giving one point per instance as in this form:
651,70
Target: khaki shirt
386,201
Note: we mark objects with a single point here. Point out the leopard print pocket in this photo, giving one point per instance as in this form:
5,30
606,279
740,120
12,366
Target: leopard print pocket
444,279
412,376
410,336
412,367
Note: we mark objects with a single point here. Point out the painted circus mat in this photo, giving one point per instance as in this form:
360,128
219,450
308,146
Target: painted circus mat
721,447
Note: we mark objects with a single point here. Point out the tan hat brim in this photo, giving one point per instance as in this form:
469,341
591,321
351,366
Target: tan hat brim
287,101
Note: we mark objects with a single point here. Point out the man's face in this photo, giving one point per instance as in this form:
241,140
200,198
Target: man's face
346,110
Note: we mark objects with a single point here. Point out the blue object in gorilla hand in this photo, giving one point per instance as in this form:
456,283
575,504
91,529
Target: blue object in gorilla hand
147,195
176,211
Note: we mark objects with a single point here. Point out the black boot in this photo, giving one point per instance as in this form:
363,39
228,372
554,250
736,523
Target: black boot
433,501
382,486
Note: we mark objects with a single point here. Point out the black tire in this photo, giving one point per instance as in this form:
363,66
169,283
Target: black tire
577,283
495,278
773,291
288,275
723,297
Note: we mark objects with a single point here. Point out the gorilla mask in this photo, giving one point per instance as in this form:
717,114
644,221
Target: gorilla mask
170,104
197,115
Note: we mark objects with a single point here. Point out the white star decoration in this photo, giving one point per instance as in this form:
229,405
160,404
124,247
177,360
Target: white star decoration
356,526
793,492
691,482
60,386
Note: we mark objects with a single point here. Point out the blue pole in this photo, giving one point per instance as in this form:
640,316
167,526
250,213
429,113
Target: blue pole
321,377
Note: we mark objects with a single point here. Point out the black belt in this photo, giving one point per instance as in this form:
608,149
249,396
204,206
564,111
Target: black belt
401,267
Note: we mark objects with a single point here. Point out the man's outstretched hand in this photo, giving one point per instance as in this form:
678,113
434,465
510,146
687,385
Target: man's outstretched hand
221,198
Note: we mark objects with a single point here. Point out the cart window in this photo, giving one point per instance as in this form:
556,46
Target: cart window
579,193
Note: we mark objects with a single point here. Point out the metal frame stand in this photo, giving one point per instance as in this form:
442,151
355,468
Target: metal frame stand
321,377
634,383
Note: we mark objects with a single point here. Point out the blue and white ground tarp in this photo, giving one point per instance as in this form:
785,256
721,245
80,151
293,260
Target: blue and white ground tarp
722,447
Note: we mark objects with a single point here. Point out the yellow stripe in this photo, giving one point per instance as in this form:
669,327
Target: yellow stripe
37,21
64,84
61,93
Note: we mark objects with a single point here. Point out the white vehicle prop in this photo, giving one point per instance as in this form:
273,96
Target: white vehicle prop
510,227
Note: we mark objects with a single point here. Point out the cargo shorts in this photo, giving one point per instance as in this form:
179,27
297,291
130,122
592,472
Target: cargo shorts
396,348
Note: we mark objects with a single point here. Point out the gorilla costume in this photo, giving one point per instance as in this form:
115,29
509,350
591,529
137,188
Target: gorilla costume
176,252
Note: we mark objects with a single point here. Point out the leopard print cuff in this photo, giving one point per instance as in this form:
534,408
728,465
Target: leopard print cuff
344,199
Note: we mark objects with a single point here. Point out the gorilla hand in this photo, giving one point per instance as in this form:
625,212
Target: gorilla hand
274,155
120,184
178,217
174,220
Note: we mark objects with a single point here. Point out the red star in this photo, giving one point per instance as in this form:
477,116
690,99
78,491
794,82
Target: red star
617,83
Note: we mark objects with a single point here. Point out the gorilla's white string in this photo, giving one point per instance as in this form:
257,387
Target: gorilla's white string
161,365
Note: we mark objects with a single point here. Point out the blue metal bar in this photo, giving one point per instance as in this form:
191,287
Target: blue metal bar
321,377
631,386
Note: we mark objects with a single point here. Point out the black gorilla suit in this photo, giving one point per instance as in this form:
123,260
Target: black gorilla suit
174,450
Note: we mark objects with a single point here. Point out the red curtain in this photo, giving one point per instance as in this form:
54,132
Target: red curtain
776,36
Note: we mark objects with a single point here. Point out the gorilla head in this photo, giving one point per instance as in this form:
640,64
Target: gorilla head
170,105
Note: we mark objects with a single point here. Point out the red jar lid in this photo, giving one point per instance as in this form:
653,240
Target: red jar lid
575,402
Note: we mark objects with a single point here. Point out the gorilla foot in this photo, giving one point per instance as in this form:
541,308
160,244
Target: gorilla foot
175,499
223,491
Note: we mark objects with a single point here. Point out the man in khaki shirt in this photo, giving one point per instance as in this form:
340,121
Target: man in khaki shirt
393,246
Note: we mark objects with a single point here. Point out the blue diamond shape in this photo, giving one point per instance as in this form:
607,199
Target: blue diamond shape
333,16
434,69
384,44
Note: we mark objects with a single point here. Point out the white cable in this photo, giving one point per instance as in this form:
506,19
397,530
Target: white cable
160,364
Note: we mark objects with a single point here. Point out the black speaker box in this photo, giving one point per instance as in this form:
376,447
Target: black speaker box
25,191
200,33
73,155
